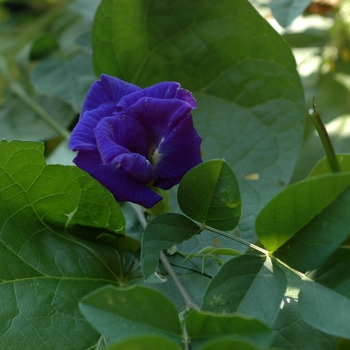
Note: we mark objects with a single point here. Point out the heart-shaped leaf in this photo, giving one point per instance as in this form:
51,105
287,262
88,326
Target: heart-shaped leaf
44,271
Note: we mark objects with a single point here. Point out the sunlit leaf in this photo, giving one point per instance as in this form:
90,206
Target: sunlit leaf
295,207
315,242
322,167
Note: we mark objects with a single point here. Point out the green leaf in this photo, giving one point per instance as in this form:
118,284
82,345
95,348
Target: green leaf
202,326
146,342
242,73
120,313
285,11
43,46
322,167
60,197
292,332
296,206
315,242
250,285
45,272
324,300
162,233
68,80
229,343
209,194
325,309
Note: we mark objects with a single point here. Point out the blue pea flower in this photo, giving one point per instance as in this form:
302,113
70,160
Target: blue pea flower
132,139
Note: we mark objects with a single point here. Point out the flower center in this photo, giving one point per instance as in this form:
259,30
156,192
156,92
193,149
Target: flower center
154,156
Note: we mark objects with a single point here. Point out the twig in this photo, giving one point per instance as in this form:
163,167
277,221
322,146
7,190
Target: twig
187,298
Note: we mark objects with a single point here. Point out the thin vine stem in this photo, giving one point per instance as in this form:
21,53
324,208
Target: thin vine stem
300,274
22,94
253,246
325,139
239,240
190,304
188,300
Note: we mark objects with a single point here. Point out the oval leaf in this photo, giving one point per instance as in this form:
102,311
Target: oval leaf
296,206
209,194
292,332
250,285
314,243
120,313
145,342
202,326
324,299
229,343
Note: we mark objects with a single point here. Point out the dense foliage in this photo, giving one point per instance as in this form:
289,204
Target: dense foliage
249,251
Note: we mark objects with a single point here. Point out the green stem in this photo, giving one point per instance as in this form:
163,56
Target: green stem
253,246
187,298
227,235
325,139
301,275
22,94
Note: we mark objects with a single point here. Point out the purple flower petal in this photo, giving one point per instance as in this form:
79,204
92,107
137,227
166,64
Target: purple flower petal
83,137
124,131
107,89
178,153
158,117
128,138
161,91
123,186
123,143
